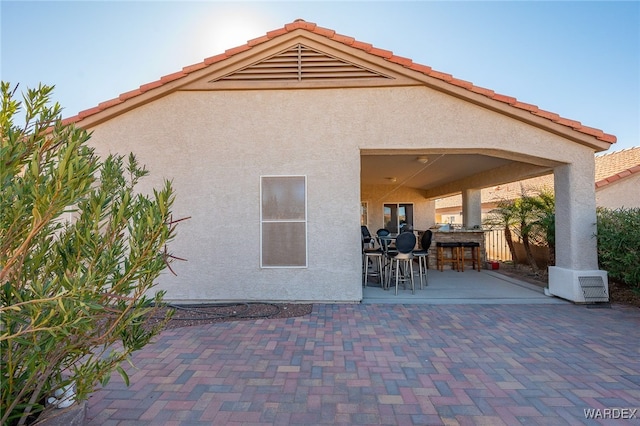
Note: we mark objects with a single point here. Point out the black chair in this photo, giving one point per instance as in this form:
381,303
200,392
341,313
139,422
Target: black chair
367,238
402,261
382,232
422,256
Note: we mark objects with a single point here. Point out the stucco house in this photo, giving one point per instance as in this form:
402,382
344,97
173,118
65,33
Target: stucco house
279,148
617,183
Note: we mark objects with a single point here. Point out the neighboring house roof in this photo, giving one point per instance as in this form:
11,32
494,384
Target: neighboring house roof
609,168
616,165
171,82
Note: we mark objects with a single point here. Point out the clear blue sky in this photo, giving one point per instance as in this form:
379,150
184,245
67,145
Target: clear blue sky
579,59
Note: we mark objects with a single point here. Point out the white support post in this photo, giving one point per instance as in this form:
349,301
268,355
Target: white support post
576,276
471,208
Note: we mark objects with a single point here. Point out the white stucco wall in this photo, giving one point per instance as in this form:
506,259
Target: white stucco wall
214,146
624,193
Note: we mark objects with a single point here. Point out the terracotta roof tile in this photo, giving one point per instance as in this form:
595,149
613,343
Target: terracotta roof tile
71,120
109,103
171,77
258,40
362,46
88,112
591,131
300,23
150,86
546,114
387,55
195,67
525,106
325,32
276,33
381,52
213,59
421,68
236,50
481,90
617,164
343,39
440,75
569,123
405,62
130,94
461,83
506,99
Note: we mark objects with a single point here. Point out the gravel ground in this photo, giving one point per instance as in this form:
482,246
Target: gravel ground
188,315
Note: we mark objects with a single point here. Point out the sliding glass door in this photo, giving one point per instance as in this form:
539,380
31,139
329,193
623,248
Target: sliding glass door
398,217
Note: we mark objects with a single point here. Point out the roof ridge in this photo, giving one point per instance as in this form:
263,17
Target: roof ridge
352,42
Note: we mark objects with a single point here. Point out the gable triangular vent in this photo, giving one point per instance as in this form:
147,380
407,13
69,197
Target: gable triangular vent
301,63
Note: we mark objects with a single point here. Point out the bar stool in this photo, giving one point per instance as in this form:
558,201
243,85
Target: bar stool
376,257
402,262
422,255
455,255
475,255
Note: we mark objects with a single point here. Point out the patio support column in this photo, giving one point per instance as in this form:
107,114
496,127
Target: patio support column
576,272
471,208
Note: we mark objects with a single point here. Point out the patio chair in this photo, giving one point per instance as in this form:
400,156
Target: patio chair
367,238
372,255
402,262
422,255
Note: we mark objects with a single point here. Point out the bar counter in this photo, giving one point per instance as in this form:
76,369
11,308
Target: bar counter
456,236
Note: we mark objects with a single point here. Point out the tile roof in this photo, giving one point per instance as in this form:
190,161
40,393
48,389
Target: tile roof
616,165
609,168
366,47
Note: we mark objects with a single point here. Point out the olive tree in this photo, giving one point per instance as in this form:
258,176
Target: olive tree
80,254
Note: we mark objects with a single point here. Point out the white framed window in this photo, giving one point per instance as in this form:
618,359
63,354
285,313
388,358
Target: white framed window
283,221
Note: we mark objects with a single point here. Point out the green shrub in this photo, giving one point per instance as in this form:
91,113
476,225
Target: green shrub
619,244
80,251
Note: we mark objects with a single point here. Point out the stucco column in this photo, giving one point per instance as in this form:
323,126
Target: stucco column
471,208
576,270
576,216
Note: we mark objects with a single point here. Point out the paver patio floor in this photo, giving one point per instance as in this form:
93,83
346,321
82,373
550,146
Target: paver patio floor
540,364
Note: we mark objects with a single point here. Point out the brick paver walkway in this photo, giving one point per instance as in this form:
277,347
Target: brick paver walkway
388,364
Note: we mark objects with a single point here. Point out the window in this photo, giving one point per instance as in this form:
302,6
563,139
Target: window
398,216
283,222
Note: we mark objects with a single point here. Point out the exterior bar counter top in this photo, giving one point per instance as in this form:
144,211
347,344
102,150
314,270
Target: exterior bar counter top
456,236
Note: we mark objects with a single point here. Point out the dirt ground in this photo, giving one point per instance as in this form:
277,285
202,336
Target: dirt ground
618,292
185,316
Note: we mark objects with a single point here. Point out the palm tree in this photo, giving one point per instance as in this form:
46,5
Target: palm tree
545,205
525,214
504,216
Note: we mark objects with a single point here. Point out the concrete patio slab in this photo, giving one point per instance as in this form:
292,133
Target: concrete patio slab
469,287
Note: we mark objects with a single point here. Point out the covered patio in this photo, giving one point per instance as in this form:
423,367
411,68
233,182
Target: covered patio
470,287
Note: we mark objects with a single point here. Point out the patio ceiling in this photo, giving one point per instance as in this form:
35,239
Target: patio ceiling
443,173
